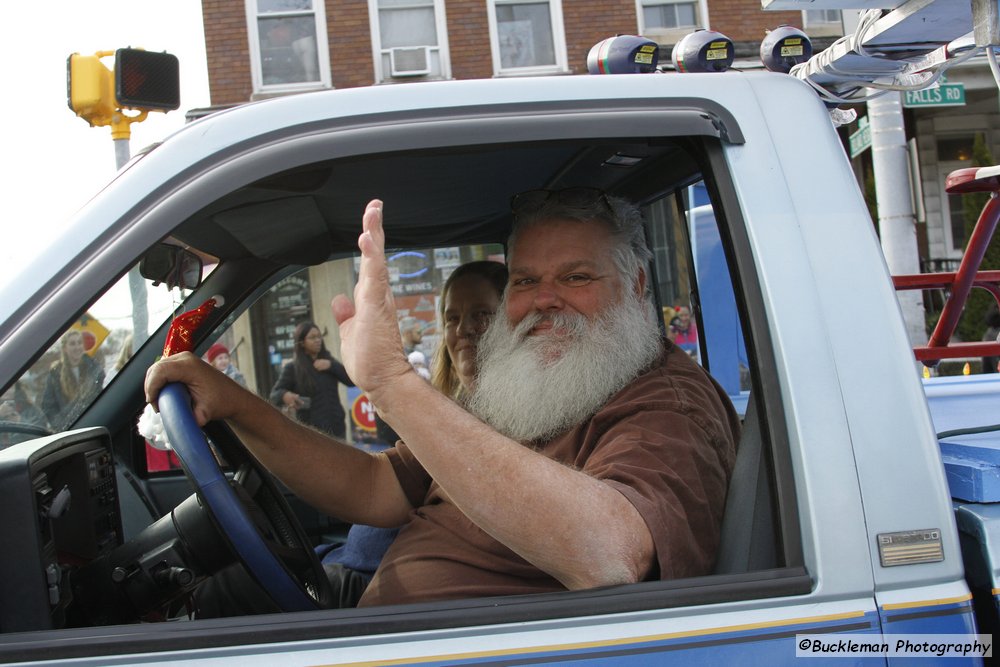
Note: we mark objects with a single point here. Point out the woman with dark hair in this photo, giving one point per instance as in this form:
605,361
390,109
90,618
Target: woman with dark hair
309,385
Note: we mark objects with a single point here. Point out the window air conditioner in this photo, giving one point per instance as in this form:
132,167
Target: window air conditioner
410,61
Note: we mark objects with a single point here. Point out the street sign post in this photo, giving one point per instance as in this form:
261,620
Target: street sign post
861,140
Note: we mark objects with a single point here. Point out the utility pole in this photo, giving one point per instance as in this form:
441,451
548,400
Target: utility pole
141,80
136,283
896,217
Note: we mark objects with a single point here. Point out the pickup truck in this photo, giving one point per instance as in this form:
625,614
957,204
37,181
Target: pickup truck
839,520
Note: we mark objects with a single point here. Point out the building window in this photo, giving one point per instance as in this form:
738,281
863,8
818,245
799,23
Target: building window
409,39
668,21
955,149
288,44
957,223
823,22
954,152
821,17
669,15
527,37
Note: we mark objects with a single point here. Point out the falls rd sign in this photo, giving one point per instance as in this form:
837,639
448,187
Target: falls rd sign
945,95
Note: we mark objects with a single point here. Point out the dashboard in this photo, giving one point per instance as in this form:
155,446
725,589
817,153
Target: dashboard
60,512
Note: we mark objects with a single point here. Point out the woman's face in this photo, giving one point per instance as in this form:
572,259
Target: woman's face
469,305
313,342
74,349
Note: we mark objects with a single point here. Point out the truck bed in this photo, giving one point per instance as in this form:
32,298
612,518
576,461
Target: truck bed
971,460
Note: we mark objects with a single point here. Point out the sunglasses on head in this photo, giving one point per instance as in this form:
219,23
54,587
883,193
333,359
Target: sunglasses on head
530,201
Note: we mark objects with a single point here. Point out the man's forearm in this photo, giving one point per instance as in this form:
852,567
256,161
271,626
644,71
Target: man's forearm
335,477
574,527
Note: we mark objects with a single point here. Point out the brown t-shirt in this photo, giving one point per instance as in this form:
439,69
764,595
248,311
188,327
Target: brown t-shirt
667,442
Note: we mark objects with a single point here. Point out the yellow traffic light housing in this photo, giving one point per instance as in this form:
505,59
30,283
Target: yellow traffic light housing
90,89
141,80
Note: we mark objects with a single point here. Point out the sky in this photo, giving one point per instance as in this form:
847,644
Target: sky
44,143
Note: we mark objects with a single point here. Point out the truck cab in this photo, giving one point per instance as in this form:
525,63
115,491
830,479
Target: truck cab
839,517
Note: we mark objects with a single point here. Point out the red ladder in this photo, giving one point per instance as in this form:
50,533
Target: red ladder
968,275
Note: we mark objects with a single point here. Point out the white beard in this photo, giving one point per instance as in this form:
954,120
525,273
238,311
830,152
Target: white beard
532,388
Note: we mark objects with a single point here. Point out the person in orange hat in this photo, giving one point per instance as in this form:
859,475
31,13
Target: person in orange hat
218,356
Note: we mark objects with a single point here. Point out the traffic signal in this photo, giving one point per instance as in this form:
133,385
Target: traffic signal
147,80
89,88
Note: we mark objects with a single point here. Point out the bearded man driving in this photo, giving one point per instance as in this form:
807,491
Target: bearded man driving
593,452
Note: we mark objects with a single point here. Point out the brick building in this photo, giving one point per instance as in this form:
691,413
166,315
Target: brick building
264,48
261,48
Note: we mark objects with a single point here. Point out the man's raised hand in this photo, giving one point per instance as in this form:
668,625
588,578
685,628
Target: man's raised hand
370,346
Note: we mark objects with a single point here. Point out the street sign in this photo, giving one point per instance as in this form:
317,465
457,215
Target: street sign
363,413
861,140
945,95
93,333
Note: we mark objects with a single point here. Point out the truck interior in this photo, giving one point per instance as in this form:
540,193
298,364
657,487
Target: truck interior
104,541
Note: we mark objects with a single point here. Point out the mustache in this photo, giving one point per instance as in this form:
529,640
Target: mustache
531,388
572,324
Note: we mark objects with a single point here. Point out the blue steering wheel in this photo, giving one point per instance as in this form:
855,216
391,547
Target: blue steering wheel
251,513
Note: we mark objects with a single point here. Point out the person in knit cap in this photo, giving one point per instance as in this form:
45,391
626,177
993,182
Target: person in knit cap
218,356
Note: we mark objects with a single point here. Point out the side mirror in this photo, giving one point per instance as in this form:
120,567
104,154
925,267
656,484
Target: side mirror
172,265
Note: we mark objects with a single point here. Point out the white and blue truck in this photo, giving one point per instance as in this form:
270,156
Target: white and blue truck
848,516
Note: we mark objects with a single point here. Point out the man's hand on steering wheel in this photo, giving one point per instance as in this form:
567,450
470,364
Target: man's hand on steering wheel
214,396
252,513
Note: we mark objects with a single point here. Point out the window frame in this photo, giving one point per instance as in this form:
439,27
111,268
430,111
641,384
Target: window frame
945,167
806,22
441,48
369,134
561,65
671,35
950,249
253,17
760,348
823,28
